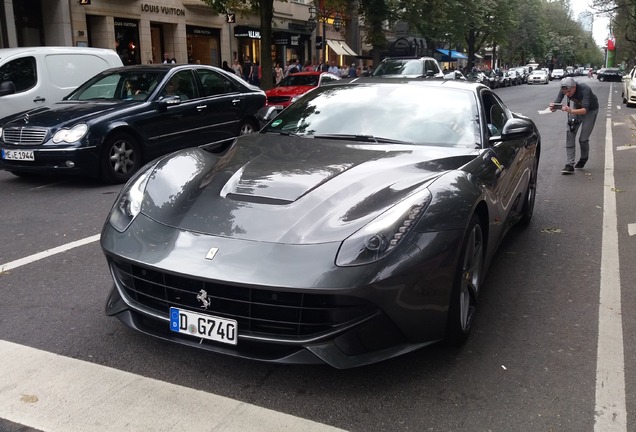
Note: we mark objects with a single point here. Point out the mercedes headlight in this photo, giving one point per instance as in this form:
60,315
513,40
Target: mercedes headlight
378,238
71,135
128,204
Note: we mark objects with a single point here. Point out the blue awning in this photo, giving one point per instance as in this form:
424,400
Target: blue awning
451,55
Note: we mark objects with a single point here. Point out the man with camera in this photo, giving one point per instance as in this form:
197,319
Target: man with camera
581,115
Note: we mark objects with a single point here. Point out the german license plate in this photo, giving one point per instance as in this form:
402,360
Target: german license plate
21,155
203,326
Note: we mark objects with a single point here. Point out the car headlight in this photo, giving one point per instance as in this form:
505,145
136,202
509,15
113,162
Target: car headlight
379,237
632,86
128,204
71,135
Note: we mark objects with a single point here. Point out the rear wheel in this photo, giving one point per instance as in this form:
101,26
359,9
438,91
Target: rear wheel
528,203
468,278
247,127
120,158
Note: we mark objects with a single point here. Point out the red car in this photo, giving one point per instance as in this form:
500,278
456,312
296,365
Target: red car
295,85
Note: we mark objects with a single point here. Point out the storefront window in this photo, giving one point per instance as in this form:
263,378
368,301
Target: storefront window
127,40
204,45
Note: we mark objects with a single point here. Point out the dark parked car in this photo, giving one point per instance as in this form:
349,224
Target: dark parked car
123,117
504,79
515,77
408,67
609,74
335,234
493,79
478,77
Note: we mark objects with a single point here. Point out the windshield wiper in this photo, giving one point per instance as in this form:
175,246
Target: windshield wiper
365,138
286,133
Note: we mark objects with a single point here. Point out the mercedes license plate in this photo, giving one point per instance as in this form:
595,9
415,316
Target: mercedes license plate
21,155
203,326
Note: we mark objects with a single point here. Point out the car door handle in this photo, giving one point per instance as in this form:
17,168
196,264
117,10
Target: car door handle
39,99
235,101
201,107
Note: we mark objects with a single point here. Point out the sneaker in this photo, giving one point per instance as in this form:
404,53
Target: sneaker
580,163
568,169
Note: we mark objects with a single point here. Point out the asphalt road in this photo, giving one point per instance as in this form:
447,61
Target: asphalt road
531,364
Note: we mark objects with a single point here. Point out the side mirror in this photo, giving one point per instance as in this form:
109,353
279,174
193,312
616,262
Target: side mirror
7,88
266,114
516,127
167,101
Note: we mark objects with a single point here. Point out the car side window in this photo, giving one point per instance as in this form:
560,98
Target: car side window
430,65
180,84
496,116
22,72
214,84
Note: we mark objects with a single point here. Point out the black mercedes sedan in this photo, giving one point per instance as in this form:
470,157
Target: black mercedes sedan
336,234
609,74
123,117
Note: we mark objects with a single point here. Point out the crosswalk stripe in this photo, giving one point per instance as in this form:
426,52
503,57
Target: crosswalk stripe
60,394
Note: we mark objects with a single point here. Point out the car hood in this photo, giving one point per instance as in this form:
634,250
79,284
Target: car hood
61,113
290,190
288,91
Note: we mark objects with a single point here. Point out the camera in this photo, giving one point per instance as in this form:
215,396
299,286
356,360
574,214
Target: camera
573,123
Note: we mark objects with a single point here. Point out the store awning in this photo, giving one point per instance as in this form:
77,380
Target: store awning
455,55
195,4
335,46
341,48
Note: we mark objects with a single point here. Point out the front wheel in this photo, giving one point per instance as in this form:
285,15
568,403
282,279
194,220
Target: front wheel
601,78
467,282
120,158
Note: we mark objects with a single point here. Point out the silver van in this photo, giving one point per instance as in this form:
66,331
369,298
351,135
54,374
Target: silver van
31,77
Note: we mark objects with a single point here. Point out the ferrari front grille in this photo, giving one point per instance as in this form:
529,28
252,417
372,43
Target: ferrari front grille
258,311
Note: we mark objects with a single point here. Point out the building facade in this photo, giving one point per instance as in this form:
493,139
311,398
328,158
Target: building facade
145,31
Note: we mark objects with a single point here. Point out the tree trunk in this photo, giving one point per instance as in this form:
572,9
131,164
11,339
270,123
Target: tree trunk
267,13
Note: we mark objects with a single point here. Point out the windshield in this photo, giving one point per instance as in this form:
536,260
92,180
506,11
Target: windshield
412,114
300,80
399,67
123,85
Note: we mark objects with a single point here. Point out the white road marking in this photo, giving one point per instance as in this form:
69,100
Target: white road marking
625,147
631,229
610,413
59,394
47,253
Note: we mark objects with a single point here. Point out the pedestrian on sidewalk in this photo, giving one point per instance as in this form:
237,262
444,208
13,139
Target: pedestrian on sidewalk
582,109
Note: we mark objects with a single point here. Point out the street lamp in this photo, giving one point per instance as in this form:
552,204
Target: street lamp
323,15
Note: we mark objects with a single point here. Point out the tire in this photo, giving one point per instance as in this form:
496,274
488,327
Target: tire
530,197
120,158
601,78
624,98
247,127
467,282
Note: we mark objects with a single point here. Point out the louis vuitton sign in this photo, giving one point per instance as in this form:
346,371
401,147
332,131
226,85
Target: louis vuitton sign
164,10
